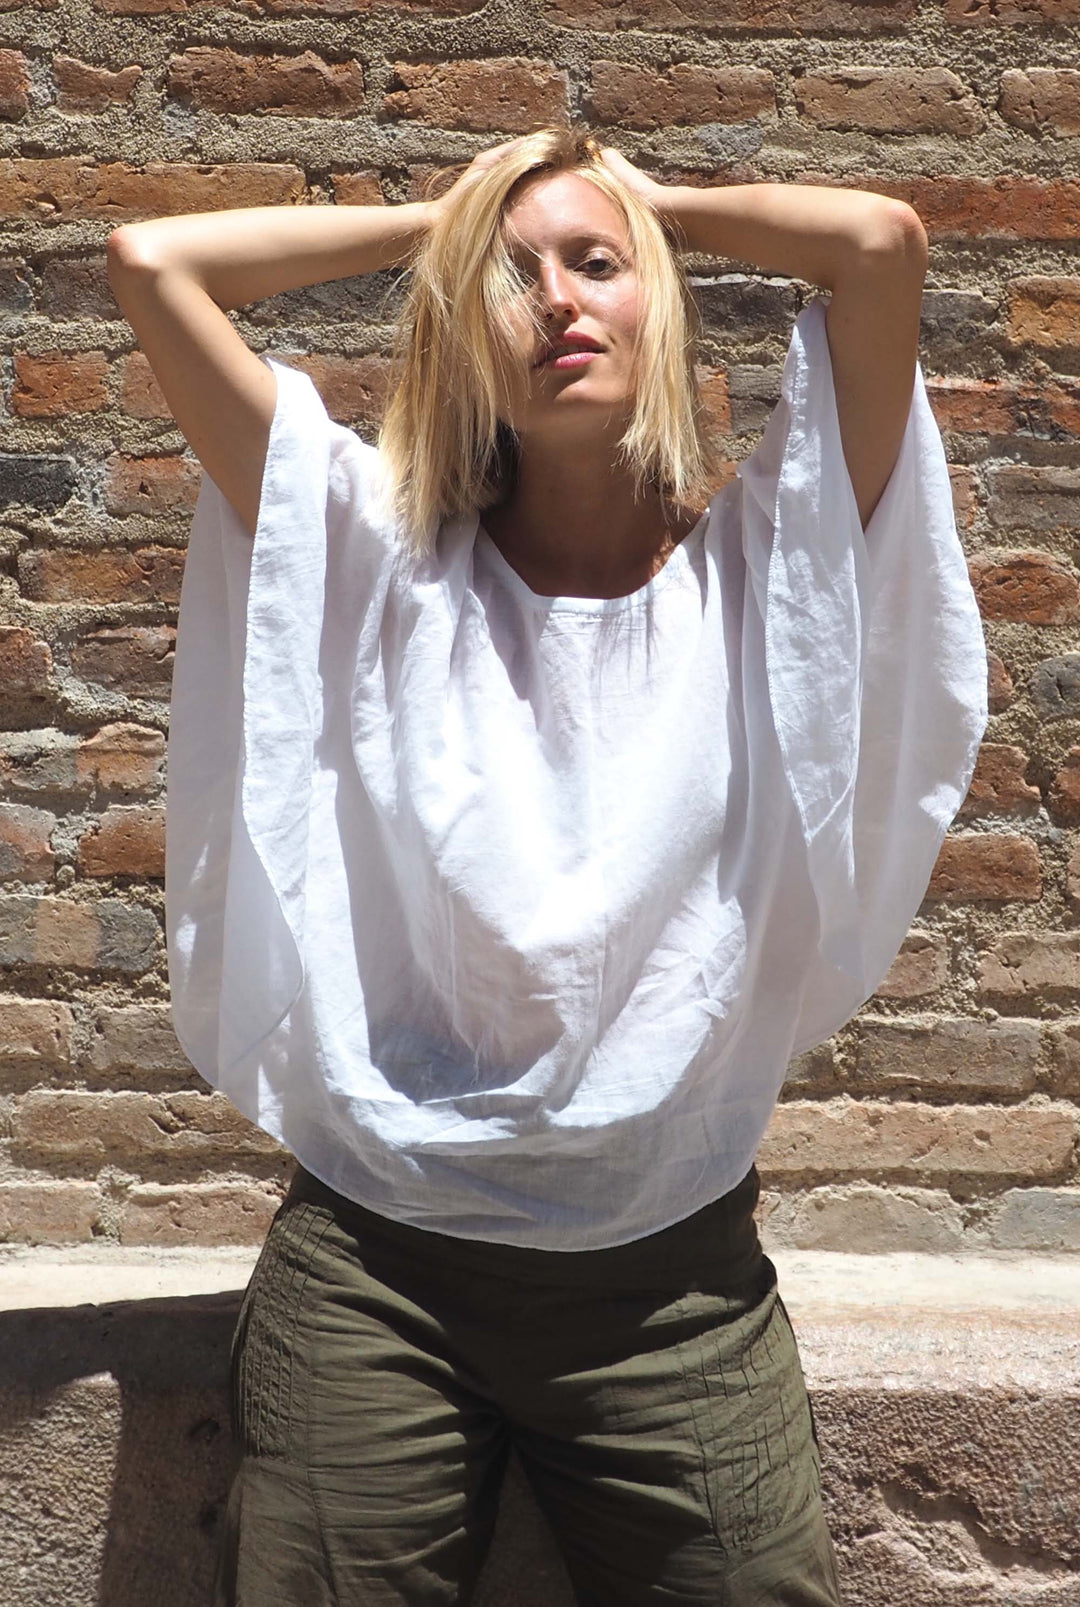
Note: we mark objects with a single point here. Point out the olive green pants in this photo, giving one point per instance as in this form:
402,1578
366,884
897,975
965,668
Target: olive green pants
652,1390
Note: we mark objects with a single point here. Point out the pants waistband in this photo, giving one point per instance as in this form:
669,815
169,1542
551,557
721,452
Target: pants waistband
716,1247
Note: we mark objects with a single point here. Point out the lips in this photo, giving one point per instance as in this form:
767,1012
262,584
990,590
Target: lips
569,343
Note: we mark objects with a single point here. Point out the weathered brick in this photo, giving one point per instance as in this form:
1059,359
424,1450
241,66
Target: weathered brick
1064,1058
1023,497
197,1213
1044,313
1033,587
505,93
134,659
83,87
800,17
1055,687
1041,99
971,405
56,384
362,188
35,1034
713,386
991,866
1000,688
199,1129
920,968
1025,965
104,935
49,1213
60,189
151,485
998,786
890,100
25,663
874,1139
1063,797
1003,208
1003,13
14,85
16,289
77,287
304,85
128,840
353,389
1043,1221
135,1046
102,575
956,1056
122,758
26,853
642,97
867,1219
36,480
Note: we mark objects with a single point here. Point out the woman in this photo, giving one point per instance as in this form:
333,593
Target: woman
531,802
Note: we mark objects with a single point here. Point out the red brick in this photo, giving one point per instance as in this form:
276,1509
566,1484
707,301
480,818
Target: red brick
102,575
362,188
890,100
56,384
59,189
128,840
715,395
1000,688
503,94
26,843
1044,312
1063,798
1033,588
967,406
134,659
82,87
197,1213
1004,208
874,1139
987,866
151,485
642,97
304,85
998,786
14,85
1041,99
1031,965
135,1046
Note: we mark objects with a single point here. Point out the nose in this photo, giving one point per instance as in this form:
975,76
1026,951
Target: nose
557,287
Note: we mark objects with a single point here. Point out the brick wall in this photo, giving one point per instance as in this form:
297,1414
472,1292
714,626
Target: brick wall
945,1113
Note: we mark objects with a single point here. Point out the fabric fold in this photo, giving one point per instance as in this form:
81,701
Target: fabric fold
875,663
241,744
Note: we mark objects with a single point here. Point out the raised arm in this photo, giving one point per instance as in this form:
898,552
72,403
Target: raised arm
174,278
868,250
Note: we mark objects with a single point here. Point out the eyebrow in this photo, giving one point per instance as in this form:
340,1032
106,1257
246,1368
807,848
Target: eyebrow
573,242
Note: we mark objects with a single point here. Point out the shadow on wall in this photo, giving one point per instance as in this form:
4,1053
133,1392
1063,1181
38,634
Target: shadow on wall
116,1459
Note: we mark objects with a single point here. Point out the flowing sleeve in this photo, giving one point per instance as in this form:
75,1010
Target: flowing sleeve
875,664
246,712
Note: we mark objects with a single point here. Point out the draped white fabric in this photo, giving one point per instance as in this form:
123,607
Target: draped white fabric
506,913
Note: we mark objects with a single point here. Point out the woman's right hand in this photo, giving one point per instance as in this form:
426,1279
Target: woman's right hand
479,164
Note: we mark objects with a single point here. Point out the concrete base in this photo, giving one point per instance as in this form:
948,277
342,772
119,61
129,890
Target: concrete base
946,1393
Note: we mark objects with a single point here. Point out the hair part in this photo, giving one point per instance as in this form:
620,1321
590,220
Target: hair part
444,447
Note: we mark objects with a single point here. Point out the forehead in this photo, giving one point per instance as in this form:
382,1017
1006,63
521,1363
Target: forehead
561,209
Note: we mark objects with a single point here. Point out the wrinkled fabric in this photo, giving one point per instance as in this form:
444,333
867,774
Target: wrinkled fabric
506,913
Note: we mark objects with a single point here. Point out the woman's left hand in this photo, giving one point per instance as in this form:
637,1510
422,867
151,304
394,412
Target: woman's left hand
658,196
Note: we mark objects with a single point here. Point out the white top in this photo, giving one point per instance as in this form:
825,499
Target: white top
505,913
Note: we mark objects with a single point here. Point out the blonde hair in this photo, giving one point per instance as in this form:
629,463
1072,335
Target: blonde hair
445,450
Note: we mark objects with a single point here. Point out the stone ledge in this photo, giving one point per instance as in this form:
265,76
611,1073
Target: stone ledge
946,1391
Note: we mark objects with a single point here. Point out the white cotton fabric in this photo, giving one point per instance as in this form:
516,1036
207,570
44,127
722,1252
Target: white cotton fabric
505,913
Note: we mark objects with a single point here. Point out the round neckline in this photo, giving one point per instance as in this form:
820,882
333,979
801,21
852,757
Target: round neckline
673,566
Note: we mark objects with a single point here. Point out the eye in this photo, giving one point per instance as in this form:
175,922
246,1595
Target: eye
601,262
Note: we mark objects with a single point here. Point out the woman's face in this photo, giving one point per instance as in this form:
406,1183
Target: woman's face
572,246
